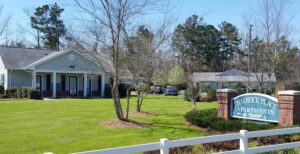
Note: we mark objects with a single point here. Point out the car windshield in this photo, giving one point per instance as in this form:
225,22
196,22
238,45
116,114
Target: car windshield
171,88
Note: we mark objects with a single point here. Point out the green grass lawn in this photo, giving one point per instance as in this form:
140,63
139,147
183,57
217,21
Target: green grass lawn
72,125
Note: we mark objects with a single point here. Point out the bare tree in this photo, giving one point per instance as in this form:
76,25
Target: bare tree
114,17
270,24
4,22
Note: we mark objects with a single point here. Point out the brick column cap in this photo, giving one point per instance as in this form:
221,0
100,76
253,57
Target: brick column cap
227,90
289,92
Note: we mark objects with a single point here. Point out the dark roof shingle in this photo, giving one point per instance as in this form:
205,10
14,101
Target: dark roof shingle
18,58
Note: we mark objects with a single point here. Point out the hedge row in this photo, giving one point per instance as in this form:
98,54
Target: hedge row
209,119
23,92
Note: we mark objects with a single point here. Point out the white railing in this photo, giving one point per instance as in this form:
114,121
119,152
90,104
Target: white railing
243,136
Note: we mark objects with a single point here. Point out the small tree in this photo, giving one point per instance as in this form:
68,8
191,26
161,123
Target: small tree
141,93
159,77
193,93
176,75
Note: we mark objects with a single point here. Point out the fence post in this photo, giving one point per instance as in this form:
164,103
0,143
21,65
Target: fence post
244,142
164,148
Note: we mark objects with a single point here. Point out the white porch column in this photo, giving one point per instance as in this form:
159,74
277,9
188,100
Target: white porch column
103,85
84,84
54,85
33,79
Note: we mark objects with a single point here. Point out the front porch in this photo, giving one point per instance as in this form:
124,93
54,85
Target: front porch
68,84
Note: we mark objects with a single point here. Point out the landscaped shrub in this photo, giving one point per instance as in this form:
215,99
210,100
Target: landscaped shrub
209,119
181,86
211,93
11,92
241,89
1,89
3,96
107,91
19,92
24,92
122,90
192,92
33,94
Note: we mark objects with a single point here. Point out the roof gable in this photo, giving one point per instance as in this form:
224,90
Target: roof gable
68,60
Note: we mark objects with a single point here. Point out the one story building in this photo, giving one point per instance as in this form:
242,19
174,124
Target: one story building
219,80
55,73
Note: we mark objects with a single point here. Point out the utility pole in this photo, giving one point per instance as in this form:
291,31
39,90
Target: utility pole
249,49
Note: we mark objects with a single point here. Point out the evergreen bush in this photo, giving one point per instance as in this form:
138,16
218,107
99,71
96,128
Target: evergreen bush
19,92
209,119
1,89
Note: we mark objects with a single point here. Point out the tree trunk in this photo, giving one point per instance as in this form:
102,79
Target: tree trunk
116,99
138,105
194,104
127,102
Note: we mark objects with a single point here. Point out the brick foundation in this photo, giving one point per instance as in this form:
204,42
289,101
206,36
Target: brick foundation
289,107
224,97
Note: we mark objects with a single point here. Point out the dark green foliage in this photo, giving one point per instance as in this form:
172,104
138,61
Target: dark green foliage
46,20
209,119
1,89
23,92
192,94
107,91
181,86
210,92
12,92
122,90
202,47
19,92
241,89
33,94
3,96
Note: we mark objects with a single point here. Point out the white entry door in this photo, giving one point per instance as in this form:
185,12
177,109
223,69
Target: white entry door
73,85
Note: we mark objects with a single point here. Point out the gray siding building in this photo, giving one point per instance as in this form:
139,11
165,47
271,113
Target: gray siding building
55,73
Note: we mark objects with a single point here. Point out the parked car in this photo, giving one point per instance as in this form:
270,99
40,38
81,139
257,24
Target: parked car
157,89
171,91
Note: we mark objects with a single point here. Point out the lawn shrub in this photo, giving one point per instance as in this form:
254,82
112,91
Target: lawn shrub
19,92
209,119
24,92
1,89
33,94
11,92
122,90
107,91
210,92
3,96
181,86
192,92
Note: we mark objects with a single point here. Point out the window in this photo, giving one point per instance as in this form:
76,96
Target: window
48,81
63,82
2,79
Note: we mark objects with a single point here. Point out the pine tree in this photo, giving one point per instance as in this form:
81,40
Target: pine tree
46,20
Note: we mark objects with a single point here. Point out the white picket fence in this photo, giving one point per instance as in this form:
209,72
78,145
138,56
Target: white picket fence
243,136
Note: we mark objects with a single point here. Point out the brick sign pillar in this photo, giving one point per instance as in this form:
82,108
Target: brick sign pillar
224,97
289,107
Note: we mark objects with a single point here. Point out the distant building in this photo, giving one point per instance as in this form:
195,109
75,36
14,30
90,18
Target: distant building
218,80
